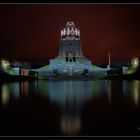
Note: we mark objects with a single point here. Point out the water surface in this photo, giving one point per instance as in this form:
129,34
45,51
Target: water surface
99,107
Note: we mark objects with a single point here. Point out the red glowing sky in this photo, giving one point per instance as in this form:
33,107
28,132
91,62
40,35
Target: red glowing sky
32,32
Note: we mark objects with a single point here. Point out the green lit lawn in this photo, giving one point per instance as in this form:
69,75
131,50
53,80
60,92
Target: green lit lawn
131,70
44,67
96,67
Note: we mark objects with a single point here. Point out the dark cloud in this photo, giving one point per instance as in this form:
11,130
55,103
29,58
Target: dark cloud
32,32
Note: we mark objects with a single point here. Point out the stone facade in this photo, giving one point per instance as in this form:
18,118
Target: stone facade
70,58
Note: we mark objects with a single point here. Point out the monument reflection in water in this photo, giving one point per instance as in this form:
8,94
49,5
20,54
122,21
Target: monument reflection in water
71,96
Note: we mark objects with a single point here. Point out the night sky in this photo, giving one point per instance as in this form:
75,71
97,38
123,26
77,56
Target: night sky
32,32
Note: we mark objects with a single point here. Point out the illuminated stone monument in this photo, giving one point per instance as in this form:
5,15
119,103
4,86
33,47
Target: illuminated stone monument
70,59
70,62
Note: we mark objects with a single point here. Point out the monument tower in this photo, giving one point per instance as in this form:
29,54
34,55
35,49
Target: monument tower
70,44
70,58
70,62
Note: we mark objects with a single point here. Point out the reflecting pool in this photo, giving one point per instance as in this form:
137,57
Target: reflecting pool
99,107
